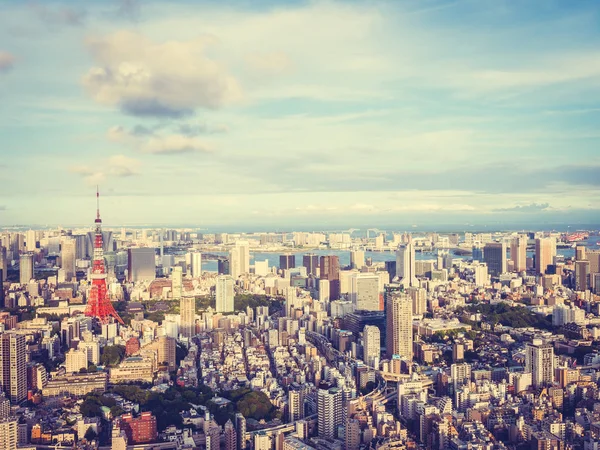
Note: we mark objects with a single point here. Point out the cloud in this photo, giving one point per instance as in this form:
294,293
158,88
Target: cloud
59,16
129,9
118,166
123,166
7,61
146,79
531,208
269,62
175,144
202,128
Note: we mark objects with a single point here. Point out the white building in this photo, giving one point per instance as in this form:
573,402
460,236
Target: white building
364,291
225,294
405,265
371,345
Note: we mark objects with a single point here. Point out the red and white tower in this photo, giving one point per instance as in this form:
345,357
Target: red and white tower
99,304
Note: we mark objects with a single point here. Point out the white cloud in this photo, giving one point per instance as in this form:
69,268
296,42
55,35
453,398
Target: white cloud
157,143
123,166
7,61
171,79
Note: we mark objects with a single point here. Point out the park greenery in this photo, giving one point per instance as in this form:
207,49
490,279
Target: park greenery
112,355
507,315
252,404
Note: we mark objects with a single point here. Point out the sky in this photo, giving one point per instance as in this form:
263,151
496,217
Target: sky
286,114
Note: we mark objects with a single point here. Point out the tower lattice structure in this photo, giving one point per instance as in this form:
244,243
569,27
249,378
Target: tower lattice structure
99,304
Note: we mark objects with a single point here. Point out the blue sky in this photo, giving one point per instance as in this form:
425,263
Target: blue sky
288,113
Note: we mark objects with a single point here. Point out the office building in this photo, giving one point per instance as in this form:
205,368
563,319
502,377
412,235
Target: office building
13,366
545,251
419,300
26,268
139,430
405,265
494,255
9,433
225,293
371,345
141,264
311,262
330,270
580,253
196,265
67,258
364,292
461,374
240,428
239,259
329,410
187,316
223,266
177,282
399,329
230,435
539,361
296,402
518,253
75,360
582,275
287,261
357,259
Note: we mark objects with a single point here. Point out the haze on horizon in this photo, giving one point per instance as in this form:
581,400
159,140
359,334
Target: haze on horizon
300,113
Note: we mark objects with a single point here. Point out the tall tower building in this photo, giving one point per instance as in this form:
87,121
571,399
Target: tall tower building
582,275
141,264
239,259
240,428
187,316
67,257
329,410
405,265
295,403
177,282
13,366
371,345
357,259
224,294
230,436
539,361
518,253
9,433
287,261
545,251
494,255
580,253
419,300
364,292
196,265
30,241
26,268
330,270
311,262
399,329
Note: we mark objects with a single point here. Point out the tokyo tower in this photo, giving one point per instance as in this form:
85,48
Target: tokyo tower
99,305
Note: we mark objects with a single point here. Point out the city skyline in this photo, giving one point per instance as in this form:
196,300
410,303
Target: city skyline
449,112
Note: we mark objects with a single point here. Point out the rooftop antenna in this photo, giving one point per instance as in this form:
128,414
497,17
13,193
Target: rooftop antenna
98,205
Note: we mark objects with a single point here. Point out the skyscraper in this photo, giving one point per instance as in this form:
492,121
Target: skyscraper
330,270
67,257
399,330
287,261
177,282
494,255
518,253
329,410
230,436
13,366
30,241
187,316
545,251
224,293
239,259
141,264
357,259
539,361
364,292
26,268
371,345
580,253
582,275
196,264
240,428
311,262
405,265
295,403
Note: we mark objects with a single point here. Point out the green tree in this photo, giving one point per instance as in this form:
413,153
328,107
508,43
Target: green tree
90,435
112,355
255,405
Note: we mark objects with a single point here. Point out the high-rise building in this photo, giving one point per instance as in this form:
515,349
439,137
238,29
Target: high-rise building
26,268
364,292
139,430
352,438
494,255
75,360
187,319
311,262
580,253
582,275
539,361
545,251
30,241
230,436
295,403
225,293
330,270
196,265
419,300
223,266
399,329
357,259
240,428
9,433
287,261
461,374
177,282
405,265
67,258
518,253
239,259
13,366
329,410
141,264
593,256
371,345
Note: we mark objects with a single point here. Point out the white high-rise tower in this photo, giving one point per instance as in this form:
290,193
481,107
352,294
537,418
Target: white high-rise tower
405,265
